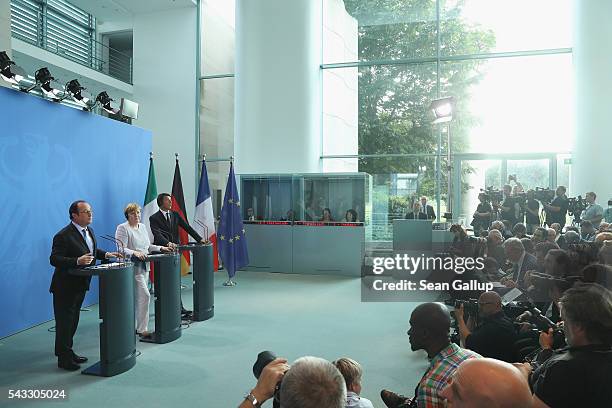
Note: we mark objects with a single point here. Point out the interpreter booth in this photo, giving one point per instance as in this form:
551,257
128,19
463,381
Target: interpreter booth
306,223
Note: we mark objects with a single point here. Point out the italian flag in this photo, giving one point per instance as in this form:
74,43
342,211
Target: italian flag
150,204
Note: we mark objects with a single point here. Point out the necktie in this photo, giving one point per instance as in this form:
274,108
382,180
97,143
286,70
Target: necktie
87,241
168,217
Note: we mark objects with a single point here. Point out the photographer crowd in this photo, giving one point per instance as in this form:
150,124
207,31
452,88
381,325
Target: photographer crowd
541,338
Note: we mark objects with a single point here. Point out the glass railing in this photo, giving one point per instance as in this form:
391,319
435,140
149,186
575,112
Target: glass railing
99,57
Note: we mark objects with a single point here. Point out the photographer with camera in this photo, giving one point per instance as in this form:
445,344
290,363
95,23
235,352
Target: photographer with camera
578,375
594,212
556,211
495,336
482,215
532,212
311,382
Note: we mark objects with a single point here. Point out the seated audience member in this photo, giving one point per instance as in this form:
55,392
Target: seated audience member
495,248
351,216
352,373
597,273
603,236
519,230
528,245
311,382
571,237
327,217
521,263
541,250
551,234
603,226
488,383
491,270
417,213
462,245
605,253
507,230
495,336
430,331
587,231
578,375
539,235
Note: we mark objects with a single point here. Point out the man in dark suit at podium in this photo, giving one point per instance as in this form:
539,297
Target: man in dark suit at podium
165,228
416,213
73,247
427,209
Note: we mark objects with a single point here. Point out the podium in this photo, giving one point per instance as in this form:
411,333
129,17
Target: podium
167,280
203,280
117,340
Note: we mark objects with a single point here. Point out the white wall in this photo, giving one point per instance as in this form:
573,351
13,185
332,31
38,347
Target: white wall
164,87
278,86
5,31
593,69
340,88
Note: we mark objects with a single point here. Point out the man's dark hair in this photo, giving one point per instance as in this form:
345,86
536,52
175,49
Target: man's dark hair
586,223
572,228
74,208
543,230
528,244
160,198
563,263
589,306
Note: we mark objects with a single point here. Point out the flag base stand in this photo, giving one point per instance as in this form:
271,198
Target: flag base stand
229,282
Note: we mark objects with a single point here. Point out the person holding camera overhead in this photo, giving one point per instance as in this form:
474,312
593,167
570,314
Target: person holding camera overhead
556,211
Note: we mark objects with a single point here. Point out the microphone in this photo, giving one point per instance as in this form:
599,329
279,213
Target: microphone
118,244
201,224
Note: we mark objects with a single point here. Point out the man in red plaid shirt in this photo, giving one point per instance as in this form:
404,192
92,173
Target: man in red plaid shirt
430,331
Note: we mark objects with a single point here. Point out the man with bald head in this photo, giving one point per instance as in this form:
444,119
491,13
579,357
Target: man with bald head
430,331
488,383
495,335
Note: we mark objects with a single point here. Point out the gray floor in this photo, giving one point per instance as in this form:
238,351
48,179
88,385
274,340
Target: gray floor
210,365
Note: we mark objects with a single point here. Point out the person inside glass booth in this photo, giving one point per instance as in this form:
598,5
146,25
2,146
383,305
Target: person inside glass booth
327,215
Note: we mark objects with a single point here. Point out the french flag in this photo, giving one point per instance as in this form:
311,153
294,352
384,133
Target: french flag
204,220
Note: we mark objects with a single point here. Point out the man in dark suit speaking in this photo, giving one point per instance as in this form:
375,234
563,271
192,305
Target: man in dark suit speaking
165,228
73,247
427,209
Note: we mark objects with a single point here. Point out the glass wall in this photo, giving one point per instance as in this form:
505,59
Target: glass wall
512,80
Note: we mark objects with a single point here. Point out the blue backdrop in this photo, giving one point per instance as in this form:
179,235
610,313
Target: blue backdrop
51,155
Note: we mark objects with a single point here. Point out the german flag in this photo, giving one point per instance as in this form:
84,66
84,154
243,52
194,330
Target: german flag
178,205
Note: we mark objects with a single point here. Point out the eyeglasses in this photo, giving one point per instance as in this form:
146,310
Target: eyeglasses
485,303
88,212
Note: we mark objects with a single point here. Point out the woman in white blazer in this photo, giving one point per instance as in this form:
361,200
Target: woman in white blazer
135,237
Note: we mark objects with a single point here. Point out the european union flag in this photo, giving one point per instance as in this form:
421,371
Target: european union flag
231,234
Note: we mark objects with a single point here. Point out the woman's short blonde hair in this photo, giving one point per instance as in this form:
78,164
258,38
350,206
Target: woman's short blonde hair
350,370
131,208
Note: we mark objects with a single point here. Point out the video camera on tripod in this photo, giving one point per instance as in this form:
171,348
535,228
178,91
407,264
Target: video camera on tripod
492,194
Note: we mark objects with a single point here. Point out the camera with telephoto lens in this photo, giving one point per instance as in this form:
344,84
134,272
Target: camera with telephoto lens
263,359
544,195
470,309
492,194
575,207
